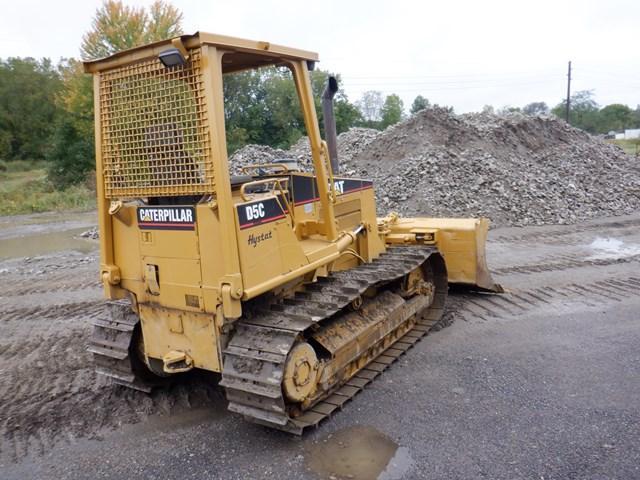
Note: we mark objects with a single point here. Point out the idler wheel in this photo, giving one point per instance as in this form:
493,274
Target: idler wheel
300,372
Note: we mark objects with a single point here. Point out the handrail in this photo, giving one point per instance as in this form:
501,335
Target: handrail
267,181
284,168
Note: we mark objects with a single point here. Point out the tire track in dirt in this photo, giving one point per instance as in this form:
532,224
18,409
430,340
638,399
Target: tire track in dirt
486,307
56,283
89,309
556,235
563,263
50,393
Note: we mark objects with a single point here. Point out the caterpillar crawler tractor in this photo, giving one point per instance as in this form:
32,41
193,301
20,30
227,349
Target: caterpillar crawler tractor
284,282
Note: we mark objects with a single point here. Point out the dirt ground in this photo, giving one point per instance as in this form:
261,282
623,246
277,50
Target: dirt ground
531,355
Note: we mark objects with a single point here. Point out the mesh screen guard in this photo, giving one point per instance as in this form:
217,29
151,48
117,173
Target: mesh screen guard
154,130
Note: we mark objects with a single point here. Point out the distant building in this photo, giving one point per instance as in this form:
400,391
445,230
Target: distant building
628,134
631,134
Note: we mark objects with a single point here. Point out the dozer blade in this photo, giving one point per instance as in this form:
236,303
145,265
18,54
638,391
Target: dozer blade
460,240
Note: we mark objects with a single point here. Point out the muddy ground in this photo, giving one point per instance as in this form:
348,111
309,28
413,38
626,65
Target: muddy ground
539,382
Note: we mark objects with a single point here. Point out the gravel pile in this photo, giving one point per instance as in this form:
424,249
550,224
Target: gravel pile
252,154
91,234
350,143
514,169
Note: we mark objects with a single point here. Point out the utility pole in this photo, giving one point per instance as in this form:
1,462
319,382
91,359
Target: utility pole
566,116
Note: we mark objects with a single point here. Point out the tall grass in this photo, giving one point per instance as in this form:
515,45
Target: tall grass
631,147
24,188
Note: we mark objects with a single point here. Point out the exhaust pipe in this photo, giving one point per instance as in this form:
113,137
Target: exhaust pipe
330,122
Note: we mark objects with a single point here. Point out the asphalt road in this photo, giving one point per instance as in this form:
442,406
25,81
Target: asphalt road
542,382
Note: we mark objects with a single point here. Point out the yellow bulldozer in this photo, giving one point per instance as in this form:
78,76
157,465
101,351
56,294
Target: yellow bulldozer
284,282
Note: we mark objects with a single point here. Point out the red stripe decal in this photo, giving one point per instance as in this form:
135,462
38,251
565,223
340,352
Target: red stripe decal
260,222
307,201
167,224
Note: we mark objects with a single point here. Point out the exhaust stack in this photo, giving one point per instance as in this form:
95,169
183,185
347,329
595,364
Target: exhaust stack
330,122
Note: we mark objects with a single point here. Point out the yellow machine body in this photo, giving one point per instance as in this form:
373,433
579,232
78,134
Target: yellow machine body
189,246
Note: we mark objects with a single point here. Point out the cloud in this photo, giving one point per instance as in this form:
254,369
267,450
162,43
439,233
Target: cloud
461,53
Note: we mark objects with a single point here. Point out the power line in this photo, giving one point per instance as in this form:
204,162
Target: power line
449,82
477,84
411,87
453,75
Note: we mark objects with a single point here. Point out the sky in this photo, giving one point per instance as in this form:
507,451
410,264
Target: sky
464,54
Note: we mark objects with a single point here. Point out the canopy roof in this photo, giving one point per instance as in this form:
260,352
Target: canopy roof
243,54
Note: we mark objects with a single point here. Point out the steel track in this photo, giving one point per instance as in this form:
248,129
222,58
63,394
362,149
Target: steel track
111,345
255,357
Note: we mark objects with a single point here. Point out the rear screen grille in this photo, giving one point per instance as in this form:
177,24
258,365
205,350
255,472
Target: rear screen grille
154,130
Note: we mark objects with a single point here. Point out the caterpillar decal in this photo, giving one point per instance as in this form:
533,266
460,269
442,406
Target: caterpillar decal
166,218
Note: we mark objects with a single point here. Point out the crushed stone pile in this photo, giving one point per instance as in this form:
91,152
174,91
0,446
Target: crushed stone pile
514,169
91,234
254,154
350,143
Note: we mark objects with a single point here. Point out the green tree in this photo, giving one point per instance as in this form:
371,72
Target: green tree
72,154
76,98
419,103
285,124
262,107
244,109
536,108
583,111
28,90
392,110
615,117
508,109
118,27
115,27
347,114
370,106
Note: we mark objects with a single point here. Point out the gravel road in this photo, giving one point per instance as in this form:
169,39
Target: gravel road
541,382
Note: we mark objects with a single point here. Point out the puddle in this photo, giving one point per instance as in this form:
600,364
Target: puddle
398,466
358,453
33,245
40,223
613,248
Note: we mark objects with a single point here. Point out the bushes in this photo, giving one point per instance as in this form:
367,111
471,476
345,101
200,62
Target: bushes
14,166
71,156
27,190
28,110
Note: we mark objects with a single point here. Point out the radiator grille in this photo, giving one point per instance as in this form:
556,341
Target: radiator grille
154,130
